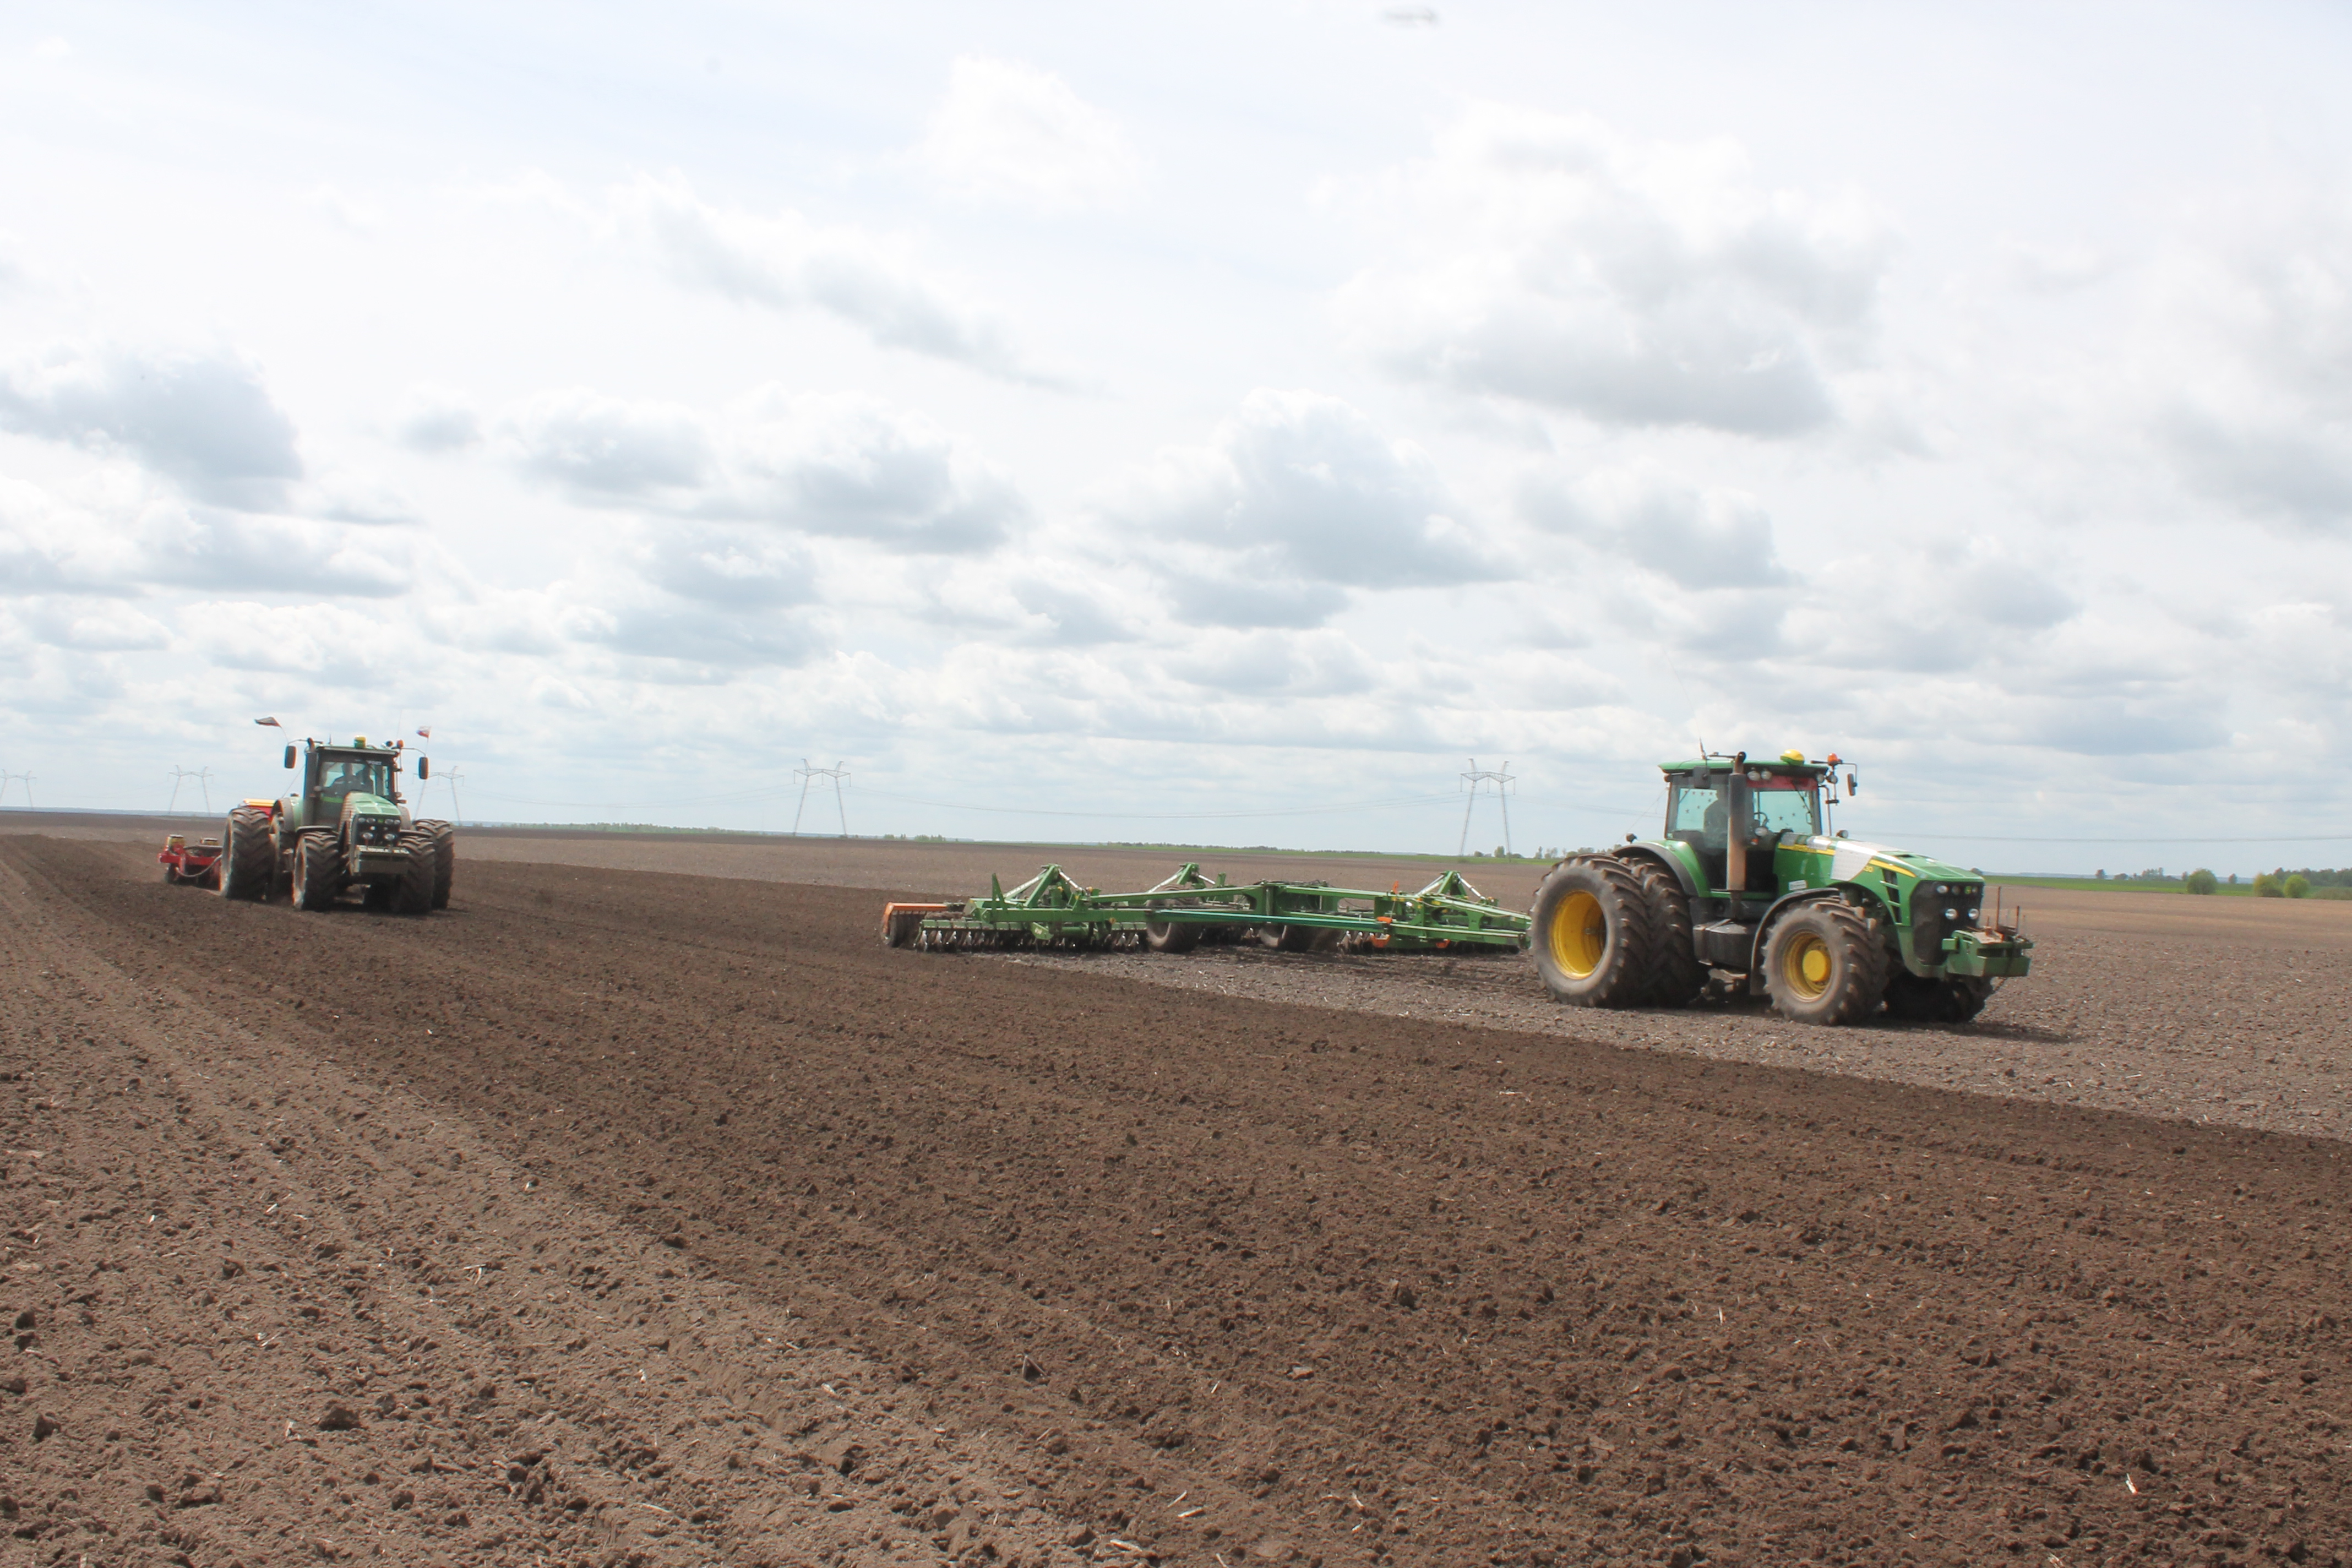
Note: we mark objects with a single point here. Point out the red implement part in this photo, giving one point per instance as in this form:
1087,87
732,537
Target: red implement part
197,863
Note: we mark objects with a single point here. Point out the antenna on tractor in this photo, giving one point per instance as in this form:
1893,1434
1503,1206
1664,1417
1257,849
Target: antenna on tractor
204,778
808,774
1502,780
26,780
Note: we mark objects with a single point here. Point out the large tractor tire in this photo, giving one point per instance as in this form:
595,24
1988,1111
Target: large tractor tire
248,860
1171,936
413,894
318,872
1678,977
1592,933
1824,963
1918,1000
445,860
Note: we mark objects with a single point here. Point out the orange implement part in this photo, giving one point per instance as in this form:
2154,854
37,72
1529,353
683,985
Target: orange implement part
891,911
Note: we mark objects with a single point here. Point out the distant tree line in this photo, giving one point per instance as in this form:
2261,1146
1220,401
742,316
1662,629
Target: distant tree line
2308,883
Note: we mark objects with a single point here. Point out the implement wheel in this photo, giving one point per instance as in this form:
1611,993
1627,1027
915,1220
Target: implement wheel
1921,1000
1171,936
248,861
1592,933
1824,964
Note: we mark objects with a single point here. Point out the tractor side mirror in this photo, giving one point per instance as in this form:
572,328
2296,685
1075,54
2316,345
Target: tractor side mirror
424,768
289,755
1853,785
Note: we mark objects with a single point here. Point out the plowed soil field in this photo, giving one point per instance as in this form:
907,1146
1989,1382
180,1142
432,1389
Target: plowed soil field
618,1216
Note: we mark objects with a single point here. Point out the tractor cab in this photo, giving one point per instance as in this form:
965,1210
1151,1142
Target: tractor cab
1735,814
366,778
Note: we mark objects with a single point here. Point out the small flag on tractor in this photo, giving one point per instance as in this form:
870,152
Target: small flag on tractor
423,733
272,723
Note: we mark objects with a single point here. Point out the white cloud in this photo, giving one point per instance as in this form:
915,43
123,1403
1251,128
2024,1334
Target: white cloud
331,645
785,262
1700,537
93,626
1012,134
2251,323
1293,498
610,450
126,538
437,419
203,420
732,569
841,466
1546,258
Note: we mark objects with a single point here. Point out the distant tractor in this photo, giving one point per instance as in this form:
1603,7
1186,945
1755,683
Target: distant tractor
1746,879
344,829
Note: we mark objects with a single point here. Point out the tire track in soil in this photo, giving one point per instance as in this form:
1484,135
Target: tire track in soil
1233,1278
266,1312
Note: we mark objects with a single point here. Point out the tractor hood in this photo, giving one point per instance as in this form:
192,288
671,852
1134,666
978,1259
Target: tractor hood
1849,856
368,806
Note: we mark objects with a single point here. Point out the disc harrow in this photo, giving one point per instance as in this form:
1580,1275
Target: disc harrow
1052,911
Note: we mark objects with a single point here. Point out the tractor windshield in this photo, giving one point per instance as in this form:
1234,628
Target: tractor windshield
354,776
1699,814
1786,803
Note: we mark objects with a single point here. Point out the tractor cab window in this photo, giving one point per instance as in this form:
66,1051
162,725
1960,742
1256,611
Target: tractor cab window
1789,803
1696,814
353,776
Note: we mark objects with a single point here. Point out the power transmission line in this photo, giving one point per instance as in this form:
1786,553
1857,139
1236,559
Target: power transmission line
1502,780
204,778
807,774
26,780
453,780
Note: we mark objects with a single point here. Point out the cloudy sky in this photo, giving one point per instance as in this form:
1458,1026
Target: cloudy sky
1214,423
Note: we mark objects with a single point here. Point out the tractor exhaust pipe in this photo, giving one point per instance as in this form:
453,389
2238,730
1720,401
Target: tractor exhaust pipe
1738,814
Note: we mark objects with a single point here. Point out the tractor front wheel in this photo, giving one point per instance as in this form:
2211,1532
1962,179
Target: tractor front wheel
316,881
1824,964
445,860
1592,933
413,894
248,860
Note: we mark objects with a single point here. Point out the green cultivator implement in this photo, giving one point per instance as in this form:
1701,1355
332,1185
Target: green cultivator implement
1189,909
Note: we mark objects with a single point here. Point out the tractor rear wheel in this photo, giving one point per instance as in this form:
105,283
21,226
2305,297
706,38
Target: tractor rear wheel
1593,933
248,861
1679,976
316,874
1922,1001
1171,936
1824,963
413,894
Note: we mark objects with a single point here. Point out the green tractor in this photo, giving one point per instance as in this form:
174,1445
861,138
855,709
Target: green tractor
1747,880
344,829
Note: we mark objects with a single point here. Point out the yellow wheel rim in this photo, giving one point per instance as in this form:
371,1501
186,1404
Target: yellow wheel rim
1580,934
1805,965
